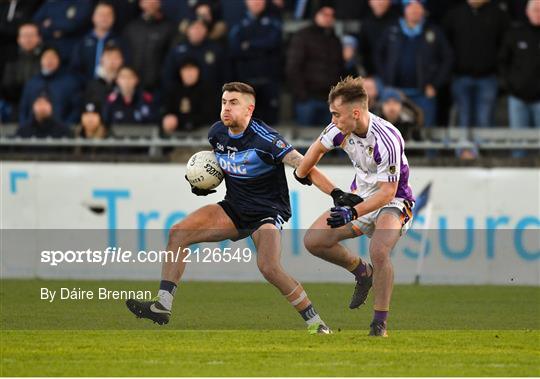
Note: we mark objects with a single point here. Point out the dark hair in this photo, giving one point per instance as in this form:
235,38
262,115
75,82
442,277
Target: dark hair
189,62
50,48
105,3
130,68
111,46
199,20
29,23
239,87
349,90
42,95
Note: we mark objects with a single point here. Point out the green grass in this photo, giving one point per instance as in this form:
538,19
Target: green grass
248,329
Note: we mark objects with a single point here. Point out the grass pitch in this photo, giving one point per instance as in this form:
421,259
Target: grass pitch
248,329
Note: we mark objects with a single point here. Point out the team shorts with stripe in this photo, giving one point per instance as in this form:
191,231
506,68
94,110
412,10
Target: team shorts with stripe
245,224
401,208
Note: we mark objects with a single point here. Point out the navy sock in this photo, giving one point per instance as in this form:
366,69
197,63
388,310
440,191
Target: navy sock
308,313
168,286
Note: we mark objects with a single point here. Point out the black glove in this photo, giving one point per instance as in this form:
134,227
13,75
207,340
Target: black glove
305,181
345,198
340,216
199,191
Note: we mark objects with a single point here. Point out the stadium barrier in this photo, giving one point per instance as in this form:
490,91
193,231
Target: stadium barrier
143,136
480,226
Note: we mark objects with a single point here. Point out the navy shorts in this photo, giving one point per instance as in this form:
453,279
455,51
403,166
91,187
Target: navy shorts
247,224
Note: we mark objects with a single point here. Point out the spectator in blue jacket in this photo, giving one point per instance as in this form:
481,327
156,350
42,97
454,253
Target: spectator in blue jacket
128,103
42,123
87,52
415,57
208,54
255,46
63,23
61,87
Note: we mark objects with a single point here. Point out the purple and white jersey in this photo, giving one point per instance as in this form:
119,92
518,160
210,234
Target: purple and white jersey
377,157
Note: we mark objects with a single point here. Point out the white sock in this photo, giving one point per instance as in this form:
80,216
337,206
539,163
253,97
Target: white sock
315,320
165,299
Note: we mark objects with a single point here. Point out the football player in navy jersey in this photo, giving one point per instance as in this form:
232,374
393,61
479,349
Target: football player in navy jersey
252,156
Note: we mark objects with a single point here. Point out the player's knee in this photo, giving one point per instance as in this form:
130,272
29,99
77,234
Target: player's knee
314,243
270,271
379,255
178,233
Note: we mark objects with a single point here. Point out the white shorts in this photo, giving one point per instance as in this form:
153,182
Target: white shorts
401,208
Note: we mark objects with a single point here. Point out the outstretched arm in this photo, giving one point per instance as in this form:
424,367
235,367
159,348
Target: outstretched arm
317,177
312,157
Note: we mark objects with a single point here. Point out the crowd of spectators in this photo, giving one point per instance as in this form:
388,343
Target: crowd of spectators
81,67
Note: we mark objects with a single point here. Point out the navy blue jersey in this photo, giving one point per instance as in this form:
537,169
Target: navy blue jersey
253,168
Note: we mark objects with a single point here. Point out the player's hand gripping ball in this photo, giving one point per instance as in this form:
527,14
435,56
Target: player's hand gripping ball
203,173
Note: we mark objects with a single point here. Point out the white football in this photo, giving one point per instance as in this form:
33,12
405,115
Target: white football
203,170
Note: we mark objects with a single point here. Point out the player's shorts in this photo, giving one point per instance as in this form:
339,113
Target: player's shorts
247,224
400,208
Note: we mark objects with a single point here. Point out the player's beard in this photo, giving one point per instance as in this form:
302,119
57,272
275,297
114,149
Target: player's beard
230,123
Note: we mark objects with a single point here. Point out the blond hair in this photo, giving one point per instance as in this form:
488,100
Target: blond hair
349,90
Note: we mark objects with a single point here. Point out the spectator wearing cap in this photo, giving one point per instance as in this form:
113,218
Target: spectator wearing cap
87,52
42,123
61,87
92,125
401,112
314,65
475,30
128,103
352,65
520,69
192,102
99,88
208,54
21,66
414,56
255,50
372,27
63,23
148,39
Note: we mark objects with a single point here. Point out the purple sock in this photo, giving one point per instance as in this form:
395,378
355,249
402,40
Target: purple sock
380,316
360,271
